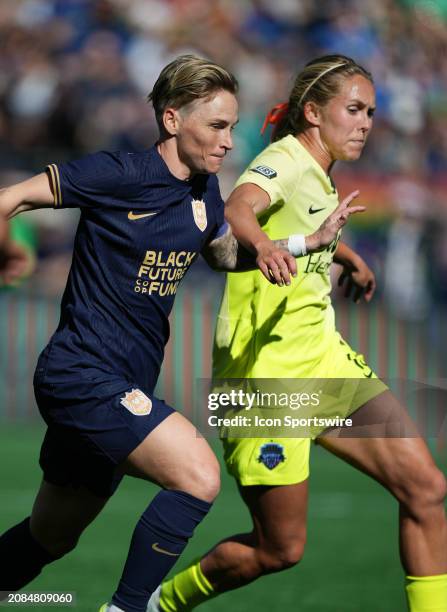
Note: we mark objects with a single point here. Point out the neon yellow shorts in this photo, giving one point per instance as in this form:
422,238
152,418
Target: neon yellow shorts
282,460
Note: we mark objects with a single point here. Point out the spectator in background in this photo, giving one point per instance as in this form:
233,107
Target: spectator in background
406,265
63,61
74,72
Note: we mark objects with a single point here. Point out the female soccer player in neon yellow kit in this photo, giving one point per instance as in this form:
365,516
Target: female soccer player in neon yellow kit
328,118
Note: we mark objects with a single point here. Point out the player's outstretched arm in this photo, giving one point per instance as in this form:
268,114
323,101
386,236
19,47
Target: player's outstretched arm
271,257
248,246
27,195
15,260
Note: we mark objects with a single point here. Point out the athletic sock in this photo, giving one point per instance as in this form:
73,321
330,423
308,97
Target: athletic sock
427,593
186,590
159,538
22,557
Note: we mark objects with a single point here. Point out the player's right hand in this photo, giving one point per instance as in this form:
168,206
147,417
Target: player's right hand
16,262
276,264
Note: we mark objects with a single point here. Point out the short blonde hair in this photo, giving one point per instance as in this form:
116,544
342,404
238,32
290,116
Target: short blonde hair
186,79
318,82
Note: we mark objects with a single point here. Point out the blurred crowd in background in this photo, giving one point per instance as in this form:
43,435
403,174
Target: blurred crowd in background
74,76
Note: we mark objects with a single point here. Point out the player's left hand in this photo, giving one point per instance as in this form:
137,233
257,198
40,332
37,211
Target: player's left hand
16,262
358,280
330,228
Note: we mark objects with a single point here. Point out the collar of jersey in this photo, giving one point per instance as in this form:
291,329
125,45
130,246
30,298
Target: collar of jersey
153,151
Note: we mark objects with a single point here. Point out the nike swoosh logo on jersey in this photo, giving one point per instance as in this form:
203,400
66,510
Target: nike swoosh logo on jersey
156,547
312,211
133,217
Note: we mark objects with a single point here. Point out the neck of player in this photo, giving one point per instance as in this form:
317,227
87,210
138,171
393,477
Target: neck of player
311,141
169,153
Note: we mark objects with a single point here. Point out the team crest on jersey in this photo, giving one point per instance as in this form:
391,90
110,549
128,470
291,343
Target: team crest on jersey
265,171
199,212
137,402
271,455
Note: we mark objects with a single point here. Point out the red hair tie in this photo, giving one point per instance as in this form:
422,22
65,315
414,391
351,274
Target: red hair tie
275,115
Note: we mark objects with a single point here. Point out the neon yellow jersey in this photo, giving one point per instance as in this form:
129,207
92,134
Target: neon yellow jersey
269,331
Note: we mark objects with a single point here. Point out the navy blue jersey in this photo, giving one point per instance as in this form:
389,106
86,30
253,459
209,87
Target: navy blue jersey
140,230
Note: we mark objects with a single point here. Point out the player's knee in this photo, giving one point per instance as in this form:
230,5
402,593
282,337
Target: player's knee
435,490
202,481
428,493
65,546
55,540
288,555
208,482
58,546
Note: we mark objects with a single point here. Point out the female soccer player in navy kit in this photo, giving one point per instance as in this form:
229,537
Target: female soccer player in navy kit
144,219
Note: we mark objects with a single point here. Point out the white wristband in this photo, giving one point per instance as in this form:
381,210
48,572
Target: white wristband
297,245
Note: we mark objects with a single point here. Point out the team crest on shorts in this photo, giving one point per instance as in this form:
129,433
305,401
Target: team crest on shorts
271,455
199,212
137,402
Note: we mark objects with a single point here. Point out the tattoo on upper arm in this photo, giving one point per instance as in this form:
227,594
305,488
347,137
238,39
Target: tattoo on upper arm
222,253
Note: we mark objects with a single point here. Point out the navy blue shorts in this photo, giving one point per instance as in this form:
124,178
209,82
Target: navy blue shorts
92,428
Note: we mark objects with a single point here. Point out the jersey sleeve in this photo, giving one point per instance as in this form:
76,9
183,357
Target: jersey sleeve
275,172
94,180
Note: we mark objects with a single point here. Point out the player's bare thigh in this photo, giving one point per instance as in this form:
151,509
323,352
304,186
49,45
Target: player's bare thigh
175,456
384,443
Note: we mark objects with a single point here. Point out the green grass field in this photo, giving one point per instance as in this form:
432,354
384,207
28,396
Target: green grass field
351,562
